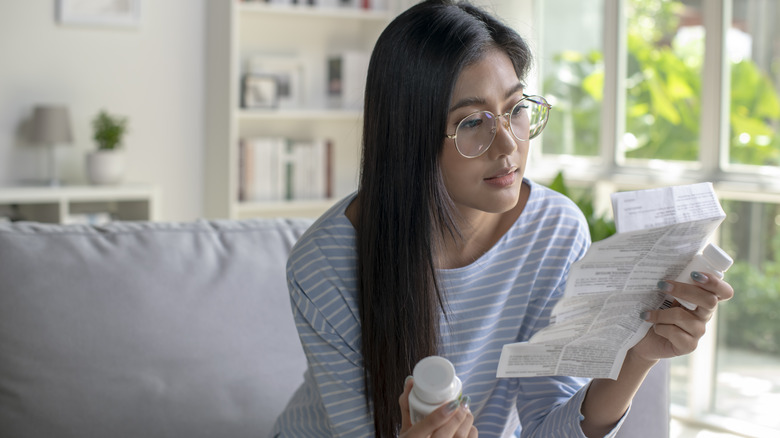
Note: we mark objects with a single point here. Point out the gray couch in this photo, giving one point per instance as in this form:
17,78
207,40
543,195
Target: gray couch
139,329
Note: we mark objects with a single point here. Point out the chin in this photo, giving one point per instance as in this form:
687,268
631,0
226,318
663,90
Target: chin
508,205
498,203
505,199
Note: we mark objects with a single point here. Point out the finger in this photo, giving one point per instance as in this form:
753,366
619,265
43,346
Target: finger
403,402
678,341
720,288
464,430
694,294
465,427
679,317
444,419
452,426
681,329
712,283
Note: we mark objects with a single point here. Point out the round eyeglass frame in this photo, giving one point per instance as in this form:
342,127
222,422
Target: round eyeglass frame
538,100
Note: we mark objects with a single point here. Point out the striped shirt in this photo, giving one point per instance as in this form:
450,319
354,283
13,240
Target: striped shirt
505,296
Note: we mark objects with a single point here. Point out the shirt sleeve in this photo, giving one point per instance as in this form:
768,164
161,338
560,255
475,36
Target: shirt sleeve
556,408
334,359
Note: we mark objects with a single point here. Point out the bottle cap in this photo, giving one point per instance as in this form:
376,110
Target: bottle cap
434,380
717,257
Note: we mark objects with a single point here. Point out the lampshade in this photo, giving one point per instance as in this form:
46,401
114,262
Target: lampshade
51,124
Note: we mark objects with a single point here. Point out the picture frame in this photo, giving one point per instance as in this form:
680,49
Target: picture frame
259,91
102,13
289,71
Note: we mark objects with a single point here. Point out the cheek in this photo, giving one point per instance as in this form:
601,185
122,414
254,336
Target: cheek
523,147
458,173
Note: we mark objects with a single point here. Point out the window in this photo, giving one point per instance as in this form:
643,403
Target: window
754,55
662,92
665,53
573,75
747,377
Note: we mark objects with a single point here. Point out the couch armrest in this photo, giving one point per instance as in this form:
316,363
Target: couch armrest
649,414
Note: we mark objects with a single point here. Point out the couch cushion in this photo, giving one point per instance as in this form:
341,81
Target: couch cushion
146,329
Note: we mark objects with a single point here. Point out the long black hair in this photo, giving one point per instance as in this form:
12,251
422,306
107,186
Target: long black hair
404,209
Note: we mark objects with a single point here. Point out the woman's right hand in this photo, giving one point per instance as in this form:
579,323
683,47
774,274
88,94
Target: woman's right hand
451,420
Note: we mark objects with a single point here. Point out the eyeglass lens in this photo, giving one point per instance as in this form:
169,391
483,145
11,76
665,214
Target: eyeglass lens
476,132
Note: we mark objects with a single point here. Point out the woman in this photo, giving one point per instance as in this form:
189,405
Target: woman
446,249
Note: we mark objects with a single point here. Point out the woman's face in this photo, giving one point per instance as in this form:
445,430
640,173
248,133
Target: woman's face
491,182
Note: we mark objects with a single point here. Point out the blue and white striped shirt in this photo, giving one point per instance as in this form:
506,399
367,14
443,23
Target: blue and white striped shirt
505,296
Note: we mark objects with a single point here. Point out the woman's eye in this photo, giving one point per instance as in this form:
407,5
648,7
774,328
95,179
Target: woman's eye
521,108
471,123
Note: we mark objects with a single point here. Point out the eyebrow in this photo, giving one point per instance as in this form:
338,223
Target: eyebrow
480,101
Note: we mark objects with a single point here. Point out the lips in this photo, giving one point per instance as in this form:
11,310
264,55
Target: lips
503,178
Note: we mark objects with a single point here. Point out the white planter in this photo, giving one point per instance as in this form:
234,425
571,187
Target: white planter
105,167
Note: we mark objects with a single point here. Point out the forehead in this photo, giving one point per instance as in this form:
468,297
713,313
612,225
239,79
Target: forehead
491,77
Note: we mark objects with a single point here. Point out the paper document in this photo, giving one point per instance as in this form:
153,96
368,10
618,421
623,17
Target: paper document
597,320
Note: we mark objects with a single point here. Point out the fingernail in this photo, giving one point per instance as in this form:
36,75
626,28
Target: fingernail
407,379
699,277
451,406
465,401
644,315
665,286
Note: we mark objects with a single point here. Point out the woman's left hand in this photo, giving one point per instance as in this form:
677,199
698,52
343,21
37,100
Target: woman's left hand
676,331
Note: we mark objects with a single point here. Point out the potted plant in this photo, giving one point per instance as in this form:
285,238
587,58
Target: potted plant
106,165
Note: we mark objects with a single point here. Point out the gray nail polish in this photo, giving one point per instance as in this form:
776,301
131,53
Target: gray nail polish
465,401
451,406
699,277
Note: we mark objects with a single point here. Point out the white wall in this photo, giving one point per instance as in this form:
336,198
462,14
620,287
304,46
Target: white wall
153,74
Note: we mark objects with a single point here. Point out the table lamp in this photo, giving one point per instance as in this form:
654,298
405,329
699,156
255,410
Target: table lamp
50,127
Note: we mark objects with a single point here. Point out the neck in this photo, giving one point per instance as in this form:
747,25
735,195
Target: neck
479,231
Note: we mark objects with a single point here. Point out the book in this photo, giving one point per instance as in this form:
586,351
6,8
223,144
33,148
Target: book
309,170
346,79
277,169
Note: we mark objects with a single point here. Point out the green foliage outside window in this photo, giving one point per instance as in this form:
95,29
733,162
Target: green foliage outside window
576,91
749,320
600,225
663,101
755,116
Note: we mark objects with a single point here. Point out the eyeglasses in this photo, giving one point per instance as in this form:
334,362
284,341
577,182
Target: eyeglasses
475,133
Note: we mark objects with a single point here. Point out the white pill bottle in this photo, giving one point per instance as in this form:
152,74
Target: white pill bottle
712,260
435,384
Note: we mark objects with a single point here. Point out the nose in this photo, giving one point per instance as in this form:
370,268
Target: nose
504,143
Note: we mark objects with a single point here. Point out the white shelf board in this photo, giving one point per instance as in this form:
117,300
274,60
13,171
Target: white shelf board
295,114
32,194
306,208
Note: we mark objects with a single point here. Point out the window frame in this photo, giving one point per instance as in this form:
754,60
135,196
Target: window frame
610,171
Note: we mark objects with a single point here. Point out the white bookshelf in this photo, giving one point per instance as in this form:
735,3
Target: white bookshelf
66,203
239,30
269,10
